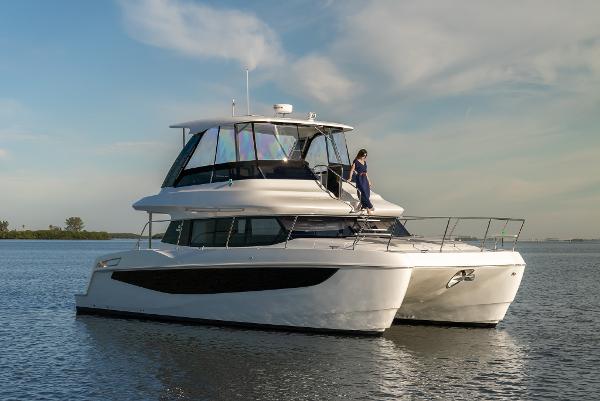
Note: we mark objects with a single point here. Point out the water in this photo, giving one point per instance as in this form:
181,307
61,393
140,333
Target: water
547,347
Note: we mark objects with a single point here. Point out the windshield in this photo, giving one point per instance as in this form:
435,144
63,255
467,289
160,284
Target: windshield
257,150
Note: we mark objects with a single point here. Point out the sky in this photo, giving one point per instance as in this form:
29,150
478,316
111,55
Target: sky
467,108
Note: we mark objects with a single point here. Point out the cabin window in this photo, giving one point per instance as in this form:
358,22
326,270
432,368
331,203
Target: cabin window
262,231
225,146
317,152
204,155
268,146
177,233
245,142
210,232
245,231
265,231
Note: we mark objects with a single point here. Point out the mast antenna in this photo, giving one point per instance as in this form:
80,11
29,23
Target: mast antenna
232,107
247,93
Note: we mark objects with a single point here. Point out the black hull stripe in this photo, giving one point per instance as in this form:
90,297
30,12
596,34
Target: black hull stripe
219,280
220,323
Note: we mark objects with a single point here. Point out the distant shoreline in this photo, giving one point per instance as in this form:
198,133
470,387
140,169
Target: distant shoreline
67,235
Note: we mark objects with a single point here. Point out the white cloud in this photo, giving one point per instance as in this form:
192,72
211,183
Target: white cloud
202,31
460,46
3,154
317,77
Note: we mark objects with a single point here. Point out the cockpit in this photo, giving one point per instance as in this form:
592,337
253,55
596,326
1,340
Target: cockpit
261,149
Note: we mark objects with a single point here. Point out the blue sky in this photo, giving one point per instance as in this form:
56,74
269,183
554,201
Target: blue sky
467,108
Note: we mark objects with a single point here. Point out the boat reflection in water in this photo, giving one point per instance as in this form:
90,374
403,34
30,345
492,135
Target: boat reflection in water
190,362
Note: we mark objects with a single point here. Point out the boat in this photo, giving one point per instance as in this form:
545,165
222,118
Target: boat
256,236
265,230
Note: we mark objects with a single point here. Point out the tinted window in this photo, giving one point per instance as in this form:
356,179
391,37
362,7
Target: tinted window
320,227
225,146
291,170
204,155
245,142
181,160
265,231
268,146
177,233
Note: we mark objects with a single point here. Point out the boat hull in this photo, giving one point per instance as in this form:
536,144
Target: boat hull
358,297
484,286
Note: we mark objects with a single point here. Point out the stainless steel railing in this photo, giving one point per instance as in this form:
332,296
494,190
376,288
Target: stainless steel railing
364,230
447,235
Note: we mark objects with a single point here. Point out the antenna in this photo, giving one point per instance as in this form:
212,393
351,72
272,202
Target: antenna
232,107
247,93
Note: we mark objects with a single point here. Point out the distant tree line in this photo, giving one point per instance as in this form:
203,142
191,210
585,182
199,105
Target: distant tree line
74,229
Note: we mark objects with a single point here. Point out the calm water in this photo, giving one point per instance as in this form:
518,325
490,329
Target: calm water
547,347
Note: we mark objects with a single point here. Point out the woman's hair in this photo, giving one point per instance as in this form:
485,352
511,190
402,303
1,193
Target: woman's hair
361,153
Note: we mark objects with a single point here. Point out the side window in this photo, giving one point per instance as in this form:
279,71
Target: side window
339,138
202,233
204,155
225,146
177,233
180,162
265,231
238,233
267,144
336,149
245,142
317,152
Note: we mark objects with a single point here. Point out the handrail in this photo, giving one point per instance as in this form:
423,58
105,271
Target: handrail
388,234
506,220
137,244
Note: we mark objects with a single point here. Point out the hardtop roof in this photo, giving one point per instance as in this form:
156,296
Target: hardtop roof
202,125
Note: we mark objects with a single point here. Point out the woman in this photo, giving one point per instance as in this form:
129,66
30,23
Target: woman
363,184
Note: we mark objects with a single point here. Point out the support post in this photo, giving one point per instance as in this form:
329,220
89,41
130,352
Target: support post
183,137
485,235
229,233
149,230
518,235
445,232
290,232
247,94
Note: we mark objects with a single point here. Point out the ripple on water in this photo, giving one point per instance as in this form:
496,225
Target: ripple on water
546,348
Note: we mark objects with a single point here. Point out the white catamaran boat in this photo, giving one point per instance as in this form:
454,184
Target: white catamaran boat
264,231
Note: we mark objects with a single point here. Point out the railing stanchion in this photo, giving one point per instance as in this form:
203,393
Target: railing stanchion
396,221
149,230
445,232
290,232
180,229
518,235
229,233
485,235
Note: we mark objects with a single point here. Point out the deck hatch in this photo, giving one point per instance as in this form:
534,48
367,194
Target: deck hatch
223,280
